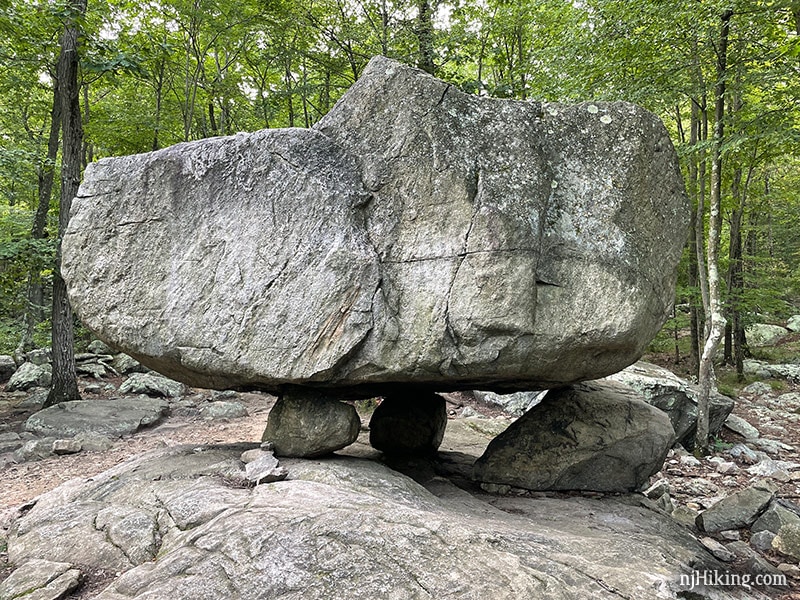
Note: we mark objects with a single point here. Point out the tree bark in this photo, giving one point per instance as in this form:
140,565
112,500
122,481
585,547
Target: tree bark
424,32
715,317
65,385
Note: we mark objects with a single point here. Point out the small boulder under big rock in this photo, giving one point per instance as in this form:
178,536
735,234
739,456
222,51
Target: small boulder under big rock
515,404
30,375
411,424
307,423
678,398
596,436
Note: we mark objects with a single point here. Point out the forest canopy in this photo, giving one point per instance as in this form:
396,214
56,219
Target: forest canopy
723,76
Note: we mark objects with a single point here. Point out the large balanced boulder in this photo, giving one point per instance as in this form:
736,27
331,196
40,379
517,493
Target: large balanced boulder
418,235
597,436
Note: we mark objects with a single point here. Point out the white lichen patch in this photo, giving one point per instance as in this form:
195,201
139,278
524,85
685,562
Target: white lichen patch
606,119
592,109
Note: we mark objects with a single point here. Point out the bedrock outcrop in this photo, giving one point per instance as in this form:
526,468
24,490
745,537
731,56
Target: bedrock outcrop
417,235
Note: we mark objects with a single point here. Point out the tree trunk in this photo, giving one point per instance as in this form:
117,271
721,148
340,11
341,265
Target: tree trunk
34,311
694,274
65,385
715,316
424,32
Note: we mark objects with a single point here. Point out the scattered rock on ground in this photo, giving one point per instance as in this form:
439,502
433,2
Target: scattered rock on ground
125,365
152,385
305,423
593,436
787,541
738,425
99,347
794,323
775,517
740,509
112,418
30,375
411,423
223,409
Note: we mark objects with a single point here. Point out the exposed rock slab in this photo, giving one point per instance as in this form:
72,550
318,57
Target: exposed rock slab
678,398
114,418
418,235
342,520
593,436
40,580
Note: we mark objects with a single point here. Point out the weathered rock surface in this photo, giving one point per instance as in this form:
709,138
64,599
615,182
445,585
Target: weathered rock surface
678,398
151,384
350,529
40,580
418,235
408,423
762,334
788,541
593,436
516,403
738,510
775,517
30,375
115,417
305,423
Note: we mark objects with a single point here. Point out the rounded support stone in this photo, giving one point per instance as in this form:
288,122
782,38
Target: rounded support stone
408,424
307,423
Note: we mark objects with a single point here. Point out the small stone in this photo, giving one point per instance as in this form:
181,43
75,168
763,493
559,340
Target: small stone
762,540
40,356
495,488
690,461
741,550
727,468
94,442
738,425
730,534
35,449
664,502
758,388
307,424
658,489
249,456
790,570
71,446
410,424
787,541
467,412
152,385
717,549
223,410
99,347
685,515
267,445
225,395
92,388
265,469
743,453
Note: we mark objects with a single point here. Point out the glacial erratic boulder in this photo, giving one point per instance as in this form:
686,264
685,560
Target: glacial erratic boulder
417,235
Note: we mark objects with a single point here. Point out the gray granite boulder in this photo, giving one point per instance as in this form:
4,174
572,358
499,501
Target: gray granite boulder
740,509
30,375
112,418
7,367
676,397
592,436
417,235
305,423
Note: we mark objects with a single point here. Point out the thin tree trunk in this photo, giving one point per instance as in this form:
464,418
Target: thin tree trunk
65,384
424,32
716,318
34,312
693,237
